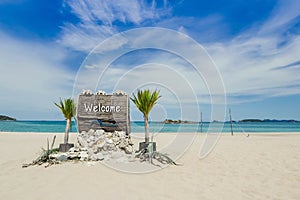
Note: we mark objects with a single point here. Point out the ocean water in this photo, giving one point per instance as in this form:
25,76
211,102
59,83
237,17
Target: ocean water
138,127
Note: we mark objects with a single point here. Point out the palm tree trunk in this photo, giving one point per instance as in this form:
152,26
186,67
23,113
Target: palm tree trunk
68,125
146,129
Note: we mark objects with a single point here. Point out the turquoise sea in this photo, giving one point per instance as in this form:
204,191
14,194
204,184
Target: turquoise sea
136,127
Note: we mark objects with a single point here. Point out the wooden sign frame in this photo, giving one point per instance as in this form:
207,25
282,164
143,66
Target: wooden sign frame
103,111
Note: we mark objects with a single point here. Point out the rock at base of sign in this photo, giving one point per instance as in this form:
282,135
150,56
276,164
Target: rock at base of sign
93,146
84,155
99,132
62,157
98,156
129,149
73,156
82,142
101,145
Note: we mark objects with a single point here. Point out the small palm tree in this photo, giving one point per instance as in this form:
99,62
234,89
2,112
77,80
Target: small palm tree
68,109
144,101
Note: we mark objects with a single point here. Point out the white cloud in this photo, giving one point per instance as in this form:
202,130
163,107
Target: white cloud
32,78
205,29
165,68
172,49
249,62
98,19
84,37
282,15
109,11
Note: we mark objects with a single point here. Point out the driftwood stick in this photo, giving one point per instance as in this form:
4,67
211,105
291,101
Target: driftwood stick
147,154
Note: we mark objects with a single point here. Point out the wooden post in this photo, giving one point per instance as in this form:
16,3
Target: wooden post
230,121
201,123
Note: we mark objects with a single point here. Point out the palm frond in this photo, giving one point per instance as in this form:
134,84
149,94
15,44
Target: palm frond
67,107
145,100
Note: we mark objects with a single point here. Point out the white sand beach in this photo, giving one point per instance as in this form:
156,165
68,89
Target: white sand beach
262,166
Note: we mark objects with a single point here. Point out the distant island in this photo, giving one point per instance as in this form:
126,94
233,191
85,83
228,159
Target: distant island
170,121
6,118
268,120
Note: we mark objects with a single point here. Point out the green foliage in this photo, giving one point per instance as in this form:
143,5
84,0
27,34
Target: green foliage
145,100
44,157
67,107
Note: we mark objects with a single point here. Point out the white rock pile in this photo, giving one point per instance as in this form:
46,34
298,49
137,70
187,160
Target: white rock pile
107,143
119,92
87,92
100,145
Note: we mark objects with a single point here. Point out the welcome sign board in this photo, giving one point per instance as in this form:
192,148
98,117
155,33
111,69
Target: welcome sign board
103,111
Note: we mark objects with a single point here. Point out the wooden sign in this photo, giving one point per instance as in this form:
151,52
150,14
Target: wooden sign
103,111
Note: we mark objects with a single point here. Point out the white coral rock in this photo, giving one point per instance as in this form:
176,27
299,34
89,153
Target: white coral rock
101,92
119,92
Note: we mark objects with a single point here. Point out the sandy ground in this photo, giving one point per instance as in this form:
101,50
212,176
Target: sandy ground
262,166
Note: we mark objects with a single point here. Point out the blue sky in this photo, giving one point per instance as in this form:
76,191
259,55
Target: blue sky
255,45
